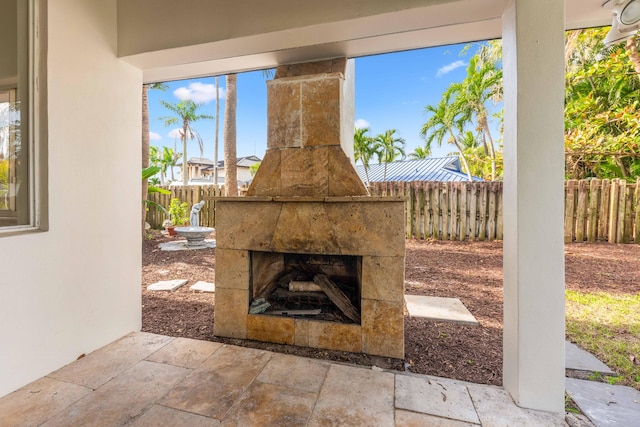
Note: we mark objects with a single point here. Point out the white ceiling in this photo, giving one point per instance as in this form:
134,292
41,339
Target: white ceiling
440,24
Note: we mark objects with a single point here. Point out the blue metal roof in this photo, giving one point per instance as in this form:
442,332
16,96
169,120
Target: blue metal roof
430,169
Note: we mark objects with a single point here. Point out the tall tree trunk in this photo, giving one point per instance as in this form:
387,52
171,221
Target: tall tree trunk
230,159
215,145
185,175
366,172
462,157
145,150
175,158
492,152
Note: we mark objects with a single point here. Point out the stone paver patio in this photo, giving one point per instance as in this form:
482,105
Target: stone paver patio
152,380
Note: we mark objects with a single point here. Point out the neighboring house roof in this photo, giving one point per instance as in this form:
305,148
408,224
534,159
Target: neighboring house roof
430,169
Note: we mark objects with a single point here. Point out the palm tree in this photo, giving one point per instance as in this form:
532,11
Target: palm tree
420,153
146,141
230,160
483,83
390,147
185,114
445,122
364,148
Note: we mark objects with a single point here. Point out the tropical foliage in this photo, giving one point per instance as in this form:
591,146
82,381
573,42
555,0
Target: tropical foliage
602,110
185,114
386,147
602,107
468,103
165,160
364,149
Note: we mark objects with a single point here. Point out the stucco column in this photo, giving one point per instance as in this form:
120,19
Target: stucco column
533,60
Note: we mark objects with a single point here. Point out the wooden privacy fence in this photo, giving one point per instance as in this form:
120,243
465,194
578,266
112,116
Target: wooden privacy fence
595,210
602,210
449,210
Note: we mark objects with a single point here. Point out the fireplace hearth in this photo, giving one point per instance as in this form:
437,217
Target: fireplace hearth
308,258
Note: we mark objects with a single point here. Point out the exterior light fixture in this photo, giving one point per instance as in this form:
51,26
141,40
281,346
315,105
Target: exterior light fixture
626,19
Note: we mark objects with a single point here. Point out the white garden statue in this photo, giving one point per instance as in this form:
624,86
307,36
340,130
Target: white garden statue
194,219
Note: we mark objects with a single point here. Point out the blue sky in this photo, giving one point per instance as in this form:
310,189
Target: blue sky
391,93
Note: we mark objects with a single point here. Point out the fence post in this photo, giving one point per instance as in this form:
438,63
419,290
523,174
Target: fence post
500,221
636,238
622,197
463,210
581,210
569,209
473,202
613,211
592,221
603,214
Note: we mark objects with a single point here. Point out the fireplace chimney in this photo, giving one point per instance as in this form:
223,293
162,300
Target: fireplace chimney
310,114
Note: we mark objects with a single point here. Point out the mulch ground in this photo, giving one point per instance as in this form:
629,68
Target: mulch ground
470,271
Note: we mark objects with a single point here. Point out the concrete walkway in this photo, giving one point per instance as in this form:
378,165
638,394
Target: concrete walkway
152,380
604,404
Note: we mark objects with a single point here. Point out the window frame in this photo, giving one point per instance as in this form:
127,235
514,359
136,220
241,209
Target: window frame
36,121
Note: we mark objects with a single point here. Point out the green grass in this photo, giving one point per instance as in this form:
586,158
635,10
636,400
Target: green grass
608,326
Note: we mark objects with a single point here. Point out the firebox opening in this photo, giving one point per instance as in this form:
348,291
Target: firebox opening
316,287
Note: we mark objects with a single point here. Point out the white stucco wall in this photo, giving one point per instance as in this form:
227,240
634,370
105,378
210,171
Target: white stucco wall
76,287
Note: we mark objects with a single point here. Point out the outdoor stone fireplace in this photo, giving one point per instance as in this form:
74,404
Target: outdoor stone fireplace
326,257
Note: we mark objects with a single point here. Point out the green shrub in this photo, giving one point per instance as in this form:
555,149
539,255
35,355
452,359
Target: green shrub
179,212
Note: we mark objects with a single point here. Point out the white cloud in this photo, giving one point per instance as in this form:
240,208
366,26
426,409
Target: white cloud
449,68
200,93
362,123
154,136
175,133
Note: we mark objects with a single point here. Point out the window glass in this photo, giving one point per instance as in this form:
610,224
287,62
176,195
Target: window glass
16,205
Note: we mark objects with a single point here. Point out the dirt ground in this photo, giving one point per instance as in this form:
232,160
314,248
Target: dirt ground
470,271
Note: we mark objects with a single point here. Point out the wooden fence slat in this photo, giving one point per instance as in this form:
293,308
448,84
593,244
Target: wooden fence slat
453,215
492,212
419,189
622,197
636,238
463,211
569,209
426,206
500,220
613,211
628,223
592,220
581,210
483,213
437,215
473,205
603,213
444,208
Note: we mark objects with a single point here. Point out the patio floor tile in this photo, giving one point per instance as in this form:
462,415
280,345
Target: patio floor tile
271,405
355,397
295,372
185,352
496,408
109,361
219,382
162,416
122,399
446,399
414,419
34,403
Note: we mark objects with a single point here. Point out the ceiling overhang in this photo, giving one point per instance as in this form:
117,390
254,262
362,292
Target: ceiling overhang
440,24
